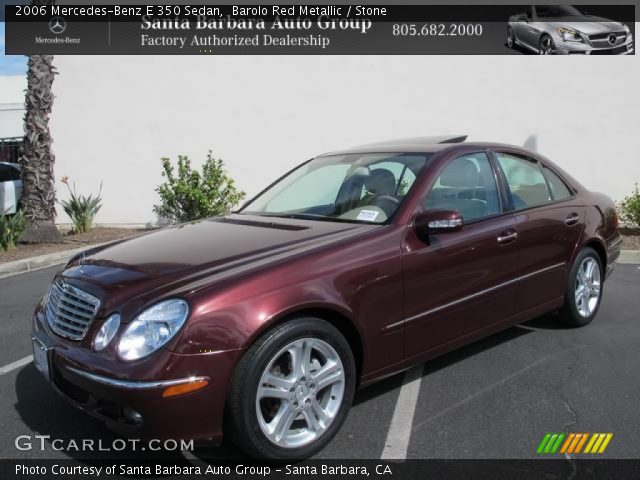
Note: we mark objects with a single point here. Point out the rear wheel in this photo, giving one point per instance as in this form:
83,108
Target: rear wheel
584,291
292,390
511,41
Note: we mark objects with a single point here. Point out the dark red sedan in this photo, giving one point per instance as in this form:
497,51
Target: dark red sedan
354,266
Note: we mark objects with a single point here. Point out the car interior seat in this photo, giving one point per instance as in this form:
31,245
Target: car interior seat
458,189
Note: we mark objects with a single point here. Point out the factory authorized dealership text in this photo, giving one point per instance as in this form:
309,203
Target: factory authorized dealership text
235,40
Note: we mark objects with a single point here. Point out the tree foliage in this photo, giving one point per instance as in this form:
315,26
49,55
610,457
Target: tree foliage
189,194
629,209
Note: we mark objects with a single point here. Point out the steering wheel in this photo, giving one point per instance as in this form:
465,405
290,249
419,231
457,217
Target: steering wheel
387,203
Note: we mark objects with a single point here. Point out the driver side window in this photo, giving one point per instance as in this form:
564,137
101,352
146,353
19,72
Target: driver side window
468,186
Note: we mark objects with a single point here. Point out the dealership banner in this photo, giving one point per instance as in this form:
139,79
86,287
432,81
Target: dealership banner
320,30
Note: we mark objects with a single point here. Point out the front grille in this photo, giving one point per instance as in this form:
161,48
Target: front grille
603,36
70,311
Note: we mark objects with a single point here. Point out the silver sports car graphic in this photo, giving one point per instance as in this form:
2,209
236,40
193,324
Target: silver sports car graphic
565,29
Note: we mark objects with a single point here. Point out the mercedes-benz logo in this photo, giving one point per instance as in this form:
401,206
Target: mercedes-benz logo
613,39
57,25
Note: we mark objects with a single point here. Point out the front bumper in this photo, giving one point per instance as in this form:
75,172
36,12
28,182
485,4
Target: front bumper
127,396
576,48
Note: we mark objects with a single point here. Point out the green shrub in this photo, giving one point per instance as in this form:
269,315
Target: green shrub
629,209
11,229
81,209
188,194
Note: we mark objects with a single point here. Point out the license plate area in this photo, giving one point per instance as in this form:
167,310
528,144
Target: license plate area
42,354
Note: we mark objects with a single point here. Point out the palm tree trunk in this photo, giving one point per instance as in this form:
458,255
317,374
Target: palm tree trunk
37,160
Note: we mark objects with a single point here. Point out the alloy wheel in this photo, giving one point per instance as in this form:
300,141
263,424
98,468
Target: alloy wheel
547,47
300,392
510,41
587,288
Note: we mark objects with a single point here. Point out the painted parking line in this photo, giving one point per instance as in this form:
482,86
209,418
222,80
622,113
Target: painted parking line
397,443
17,364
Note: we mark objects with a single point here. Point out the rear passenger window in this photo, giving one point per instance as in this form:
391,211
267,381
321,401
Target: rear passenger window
468,186
525,179
559,189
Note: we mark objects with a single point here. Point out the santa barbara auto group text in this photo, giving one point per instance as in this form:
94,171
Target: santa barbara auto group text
229,23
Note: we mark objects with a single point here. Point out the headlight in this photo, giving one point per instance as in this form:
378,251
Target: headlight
152,329
626,28
569,35
107,332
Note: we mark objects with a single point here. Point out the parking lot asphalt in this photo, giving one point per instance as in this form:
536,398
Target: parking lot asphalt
495,398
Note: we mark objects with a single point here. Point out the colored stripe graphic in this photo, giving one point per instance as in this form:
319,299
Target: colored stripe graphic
607,439
581,443
574,442
543,443
567,442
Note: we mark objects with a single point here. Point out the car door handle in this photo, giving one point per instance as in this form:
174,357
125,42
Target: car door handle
507,237
572,219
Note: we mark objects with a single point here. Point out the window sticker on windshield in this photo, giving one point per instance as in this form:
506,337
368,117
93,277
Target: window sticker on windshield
367,215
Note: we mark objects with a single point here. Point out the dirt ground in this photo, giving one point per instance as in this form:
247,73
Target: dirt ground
631,242
70,241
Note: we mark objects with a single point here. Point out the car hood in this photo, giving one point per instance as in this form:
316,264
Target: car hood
201,252
589,24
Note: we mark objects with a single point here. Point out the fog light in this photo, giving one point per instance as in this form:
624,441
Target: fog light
184,388
131,416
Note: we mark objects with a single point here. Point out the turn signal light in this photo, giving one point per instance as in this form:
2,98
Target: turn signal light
184,388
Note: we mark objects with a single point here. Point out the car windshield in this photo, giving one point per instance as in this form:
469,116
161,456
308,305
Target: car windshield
558,11
362,188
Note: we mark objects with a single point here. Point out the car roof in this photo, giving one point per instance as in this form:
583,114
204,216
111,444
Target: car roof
430,144
14,165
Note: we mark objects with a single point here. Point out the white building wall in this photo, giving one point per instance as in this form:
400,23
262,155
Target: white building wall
12,105
114,117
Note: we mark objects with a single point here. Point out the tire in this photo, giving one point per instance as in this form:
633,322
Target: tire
546,46
579,310
293,418
511,41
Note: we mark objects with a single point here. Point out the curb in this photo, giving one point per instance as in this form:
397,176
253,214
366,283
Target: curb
45,261
32,264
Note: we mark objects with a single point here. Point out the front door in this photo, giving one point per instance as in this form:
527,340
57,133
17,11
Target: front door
460,282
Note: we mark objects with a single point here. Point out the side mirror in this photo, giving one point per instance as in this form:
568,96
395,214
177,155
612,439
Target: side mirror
523,17
437,221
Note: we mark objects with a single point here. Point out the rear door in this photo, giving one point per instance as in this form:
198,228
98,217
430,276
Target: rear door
460,282
549,219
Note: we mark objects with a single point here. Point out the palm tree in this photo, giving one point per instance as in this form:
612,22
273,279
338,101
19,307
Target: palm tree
37,159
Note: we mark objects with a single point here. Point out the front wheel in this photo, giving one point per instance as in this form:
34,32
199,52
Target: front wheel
584,291
547,46
292,390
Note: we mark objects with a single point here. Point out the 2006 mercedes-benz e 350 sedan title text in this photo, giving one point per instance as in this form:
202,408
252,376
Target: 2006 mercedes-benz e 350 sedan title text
353,266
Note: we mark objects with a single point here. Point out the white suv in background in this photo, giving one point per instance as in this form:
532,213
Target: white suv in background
10,188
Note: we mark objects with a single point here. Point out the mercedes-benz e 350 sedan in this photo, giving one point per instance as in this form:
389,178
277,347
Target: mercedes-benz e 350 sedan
564,29
353,266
